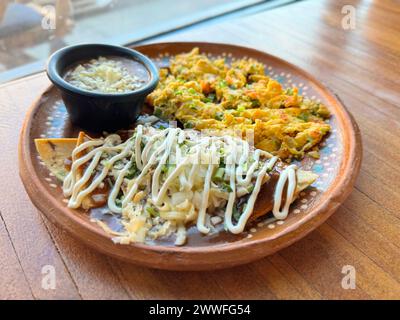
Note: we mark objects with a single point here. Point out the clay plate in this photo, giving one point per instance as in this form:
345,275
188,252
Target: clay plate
337,168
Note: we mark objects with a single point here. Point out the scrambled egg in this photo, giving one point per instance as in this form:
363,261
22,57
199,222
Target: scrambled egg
212,94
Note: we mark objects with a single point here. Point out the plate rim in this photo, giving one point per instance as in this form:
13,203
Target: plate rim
339,190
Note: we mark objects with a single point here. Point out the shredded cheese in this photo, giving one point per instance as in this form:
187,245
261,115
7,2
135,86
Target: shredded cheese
163,179
103,75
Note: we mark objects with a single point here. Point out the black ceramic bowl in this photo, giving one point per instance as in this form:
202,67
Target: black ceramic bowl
93,110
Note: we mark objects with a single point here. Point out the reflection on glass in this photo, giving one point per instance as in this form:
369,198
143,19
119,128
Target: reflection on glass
31,30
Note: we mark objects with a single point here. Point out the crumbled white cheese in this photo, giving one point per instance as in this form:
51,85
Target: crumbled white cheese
103,75
216,220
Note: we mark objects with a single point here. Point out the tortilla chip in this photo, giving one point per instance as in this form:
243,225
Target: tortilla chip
265,202
304,180
82,137
87,202
54,152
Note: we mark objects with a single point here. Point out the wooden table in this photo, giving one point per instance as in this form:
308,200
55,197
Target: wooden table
362,66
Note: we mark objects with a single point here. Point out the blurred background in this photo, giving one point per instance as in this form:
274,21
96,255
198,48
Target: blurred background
31,30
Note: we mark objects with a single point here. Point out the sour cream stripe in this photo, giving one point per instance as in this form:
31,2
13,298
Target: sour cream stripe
150,150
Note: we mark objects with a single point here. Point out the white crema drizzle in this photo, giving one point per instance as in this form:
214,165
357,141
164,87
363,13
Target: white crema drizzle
150,150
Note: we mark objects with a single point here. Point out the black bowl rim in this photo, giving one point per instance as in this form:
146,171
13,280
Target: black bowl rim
59,81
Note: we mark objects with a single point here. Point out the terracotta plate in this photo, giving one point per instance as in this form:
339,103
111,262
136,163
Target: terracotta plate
337,168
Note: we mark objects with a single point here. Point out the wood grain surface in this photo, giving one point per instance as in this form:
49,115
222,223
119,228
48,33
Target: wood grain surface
360,65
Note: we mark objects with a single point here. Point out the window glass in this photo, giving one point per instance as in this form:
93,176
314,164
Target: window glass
31,30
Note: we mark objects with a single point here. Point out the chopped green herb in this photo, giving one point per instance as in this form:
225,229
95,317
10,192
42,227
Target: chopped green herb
157,112
211,97
250,188
303,116
222,84
226,187
118,202
118,164
164,168
241,108
219,175
171,168
219,116
289,91
236,213
189,125
132,171
167,168
222,160
153,212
